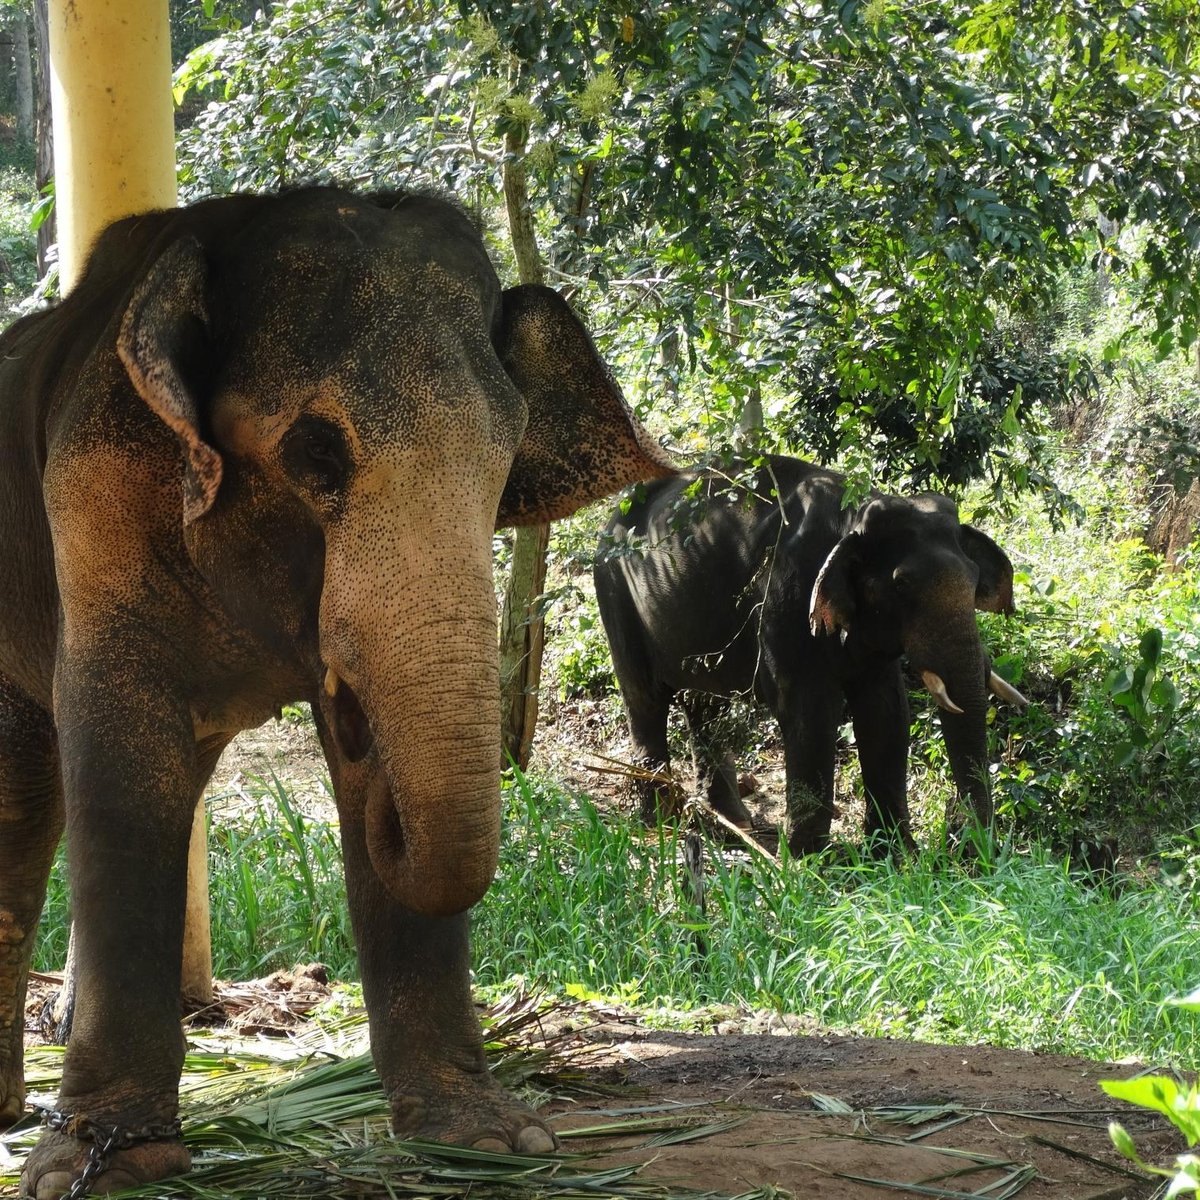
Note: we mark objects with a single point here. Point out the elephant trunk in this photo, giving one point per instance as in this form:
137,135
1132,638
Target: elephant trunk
954,667
416,678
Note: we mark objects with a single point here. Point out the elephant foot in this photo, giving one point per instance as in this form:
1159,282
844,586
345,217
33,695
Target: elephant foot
808,821
733,810
804,840
470,1110
57,1161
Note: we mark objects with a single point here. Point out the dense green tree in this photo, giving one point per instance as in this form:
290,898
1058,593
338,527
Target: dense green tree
845,221
858,204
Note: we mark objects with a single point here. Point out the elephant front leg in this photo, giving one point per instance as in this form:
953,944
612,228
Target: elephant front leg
879,710
426,1038
808,724
128,764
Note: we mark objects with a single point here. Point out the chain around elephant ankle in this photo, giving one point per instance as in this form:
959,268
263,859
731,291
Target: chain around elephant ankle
106,1141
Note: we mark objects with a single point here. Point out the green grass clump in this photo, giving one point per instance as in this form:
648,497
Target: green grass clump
1018,951
275,890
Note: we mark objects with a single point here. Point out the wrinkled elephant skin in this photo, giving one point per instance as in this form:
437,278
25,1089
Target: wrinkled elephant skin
770,589
258,456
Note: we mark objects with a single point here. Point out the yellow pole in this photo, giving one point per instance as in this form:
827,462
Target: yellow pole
114,121
114,155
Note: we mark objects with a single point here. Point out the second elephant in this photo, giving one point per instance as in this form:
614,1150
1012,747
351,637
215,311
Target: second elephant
771,589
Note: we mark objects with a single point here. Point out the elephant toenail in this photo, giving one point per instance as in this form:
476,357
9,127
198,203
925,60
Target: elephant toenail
492,1145
535,1140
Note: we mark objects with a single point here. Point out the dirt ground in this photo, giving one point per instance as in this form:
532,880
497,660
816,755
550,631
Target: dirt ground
976,1116
807,1113
1007,1110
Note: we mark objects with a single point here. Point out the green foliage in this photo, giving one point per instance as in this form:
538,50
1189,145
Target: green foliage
848,210
581,660
18,245
1022,953
1180,1104
1105,644
310,90
1148,699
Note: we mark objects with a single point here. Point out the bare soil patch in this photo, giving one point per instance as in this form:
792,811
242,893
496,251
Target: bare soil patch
1043,1112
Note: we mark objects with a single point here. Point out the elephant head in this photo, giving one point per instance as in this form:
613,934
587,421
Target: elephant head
358,406
907,579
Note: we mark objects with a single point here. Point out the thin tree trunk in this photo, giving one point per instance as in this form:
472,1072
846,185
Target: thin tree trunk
522,630
44,169
22,74
750,419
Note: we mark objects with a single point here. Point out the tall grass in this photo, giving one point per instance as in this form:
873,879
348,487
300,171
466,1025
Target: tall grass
1019,951
275,890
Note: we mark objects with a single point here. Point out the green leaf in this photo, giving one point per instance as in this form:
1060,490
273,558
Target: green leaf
1122,1141
1191,1001
1150,646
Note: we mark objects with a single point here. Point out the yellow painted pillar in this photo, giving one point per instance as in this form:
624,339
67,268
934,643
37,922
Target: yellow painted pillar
114,155
114,120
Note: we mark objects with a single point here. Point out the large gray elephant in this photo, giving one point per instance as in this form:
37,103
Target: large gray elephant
258,455
772,589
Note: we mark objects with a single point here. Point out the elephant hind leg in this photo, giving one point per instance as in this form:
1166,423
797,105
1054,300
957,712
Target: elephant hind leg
646,697
31,823
657,792
716,772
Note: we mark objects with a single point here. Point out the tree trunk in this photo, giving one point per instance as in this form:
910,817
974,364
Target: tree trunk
44,168
750,418
22,74
522,630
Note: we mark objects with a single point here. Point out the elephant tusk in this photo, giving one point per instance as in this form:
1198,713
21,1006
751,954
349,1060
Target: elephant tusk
1006,691
331,682
938,690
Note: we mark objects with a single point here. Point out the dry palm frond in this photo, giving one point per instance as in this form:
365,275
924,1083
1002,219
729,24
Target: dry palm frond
618,766
1010,1177
305,1116
1071,1152
1009,1185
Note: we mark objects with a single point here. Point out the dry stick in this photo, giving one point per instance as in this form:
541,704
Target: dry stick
628,770
752,843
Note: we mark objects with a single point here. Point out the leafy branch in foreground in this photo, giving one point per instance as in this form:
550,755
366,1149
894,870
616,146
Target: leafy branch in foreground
1179,1104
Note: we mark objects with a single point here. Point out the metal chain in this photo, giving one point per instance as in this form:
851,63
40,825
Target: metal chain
96,1165
105,1142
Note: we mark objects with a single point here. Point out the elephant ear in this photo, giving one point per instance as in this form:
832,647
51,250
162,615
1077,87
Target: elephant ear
831,609
994,591
581,441
158,334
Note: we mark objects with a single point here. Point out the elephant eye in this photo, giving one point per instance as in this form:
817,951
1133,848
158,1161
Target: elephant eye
315,455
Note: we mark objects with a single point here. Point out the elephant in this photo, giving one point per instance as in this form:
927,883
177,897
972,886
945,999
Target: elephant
257,456
762,583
